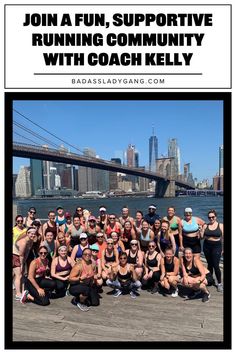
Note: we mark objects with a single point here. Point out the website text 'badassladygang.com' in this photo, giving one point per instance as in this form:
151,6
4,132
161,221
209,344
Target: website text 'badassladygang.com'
118,82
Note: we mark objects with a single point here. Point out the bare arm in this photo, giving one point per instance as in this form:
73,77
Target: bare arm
176,267
173,244
74,251
75,273
53,271
200,266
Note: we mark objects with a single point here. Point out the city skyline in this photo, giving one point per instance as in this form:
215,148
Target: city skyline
110,126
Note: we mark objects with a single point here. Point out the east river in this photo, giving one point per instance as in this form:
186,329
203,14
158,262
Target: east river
200,205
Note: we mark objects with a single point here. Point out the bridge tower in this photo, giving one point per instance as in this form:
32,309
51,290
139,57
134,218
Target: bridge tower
166,167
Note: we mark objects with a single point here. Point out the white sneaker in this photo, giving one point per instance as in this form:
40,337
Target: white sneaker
220,288
175,294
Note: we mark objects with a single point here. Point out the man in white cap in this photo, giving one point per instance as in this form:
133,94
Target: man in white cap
151,216
102,218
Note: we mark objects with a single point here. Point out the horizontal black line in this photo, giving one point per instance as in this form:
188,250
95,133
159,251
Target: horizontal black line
137,74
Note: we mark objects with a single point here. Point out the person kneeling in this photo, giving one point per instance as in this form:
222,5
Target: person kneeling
124,280
169,272
82,285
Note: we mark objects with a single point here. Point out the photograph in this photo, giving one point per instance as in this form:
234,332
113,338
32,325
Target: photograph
117,220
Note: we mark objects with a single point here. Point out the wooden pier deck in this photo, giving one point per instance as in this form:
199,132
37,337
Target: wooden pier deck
149,318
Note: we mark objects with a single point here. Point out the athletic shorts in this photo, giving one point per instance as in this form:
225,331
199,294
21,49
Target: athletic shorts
15,261
193,243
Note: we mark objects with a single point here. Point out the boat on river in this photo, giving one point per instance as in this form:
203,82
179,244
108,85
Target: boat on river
93,195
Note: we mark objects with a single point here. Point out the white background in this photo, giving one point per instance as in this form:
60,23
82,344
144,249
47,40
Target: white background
23,59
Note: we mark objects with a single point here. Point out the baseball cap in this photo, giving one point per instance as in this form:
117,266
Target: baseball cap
83,235
94,247
59,207
188,210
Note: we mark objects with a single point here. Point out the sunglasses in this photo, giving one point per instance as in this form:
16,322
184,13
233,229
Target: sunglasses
87,254
211,217
134,244
111,218
99,236
95,251
78,209
19,220
151,246
43,253
123,257
32,212
110,243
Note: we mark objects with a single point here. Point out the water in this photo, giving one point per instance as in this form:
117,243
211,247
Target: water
200,205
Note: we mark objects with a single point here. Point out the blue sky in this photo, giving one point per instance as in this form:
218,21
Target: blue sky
109,126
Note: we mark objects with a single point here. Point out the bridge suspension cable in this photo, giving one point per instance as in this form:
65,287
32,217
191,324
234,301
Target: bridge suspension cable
47,131
35,134
24,137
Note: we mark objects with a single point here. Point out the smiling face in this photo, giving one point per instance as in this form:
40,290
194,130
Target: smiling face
60,212
127,225
125,212
168,254
164,226
49,236
42,252
170,212
76,221
157,224
188,254
145,225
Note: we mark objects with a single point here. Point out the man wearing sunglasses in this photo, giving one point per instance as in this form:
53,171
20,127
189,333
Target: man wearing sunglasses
151,216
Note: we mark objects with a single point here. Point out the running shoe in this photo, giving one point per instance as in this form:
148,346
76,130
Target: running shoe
117,293
24,296
175,293
155,290
73,301
17,298
220,288
133,295
194,295
82,307
109,282
206,297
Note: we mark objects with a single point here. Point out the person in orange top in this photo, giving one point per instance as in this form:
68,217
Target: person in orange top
101,243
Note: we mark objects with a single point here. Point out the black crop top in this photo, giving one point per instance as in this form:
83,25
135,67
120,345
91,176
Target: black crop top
213,233
152,262
110,259
169,267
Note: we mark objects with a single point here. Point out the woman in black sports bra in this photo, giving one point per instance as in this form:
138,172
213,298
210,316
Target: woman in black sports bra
110,259
152,268
212,247
195,275
124,280
170,272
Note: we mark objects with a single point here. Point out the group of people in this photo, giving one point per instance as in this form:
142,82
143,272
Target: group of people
78,254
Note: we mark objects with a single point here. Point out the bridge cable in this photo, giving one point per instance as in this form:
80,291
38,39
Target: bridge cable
24,137
34,134
47,131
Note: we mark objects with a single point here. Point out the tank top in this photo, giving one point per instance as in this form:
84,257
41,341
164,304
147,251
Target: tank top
164,243
132,260
91,237
109,259
60,222
79,252
53,229
84,272
174,224
109,230
213,233
189,228
41,268
17,232
50,247
193,271
146,238
60,268
124,277
151,263
169,267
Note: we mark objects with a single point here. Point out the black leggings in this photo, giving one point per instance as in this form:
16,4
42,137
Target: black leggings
90,291
47,284
154,279
61,287
212,251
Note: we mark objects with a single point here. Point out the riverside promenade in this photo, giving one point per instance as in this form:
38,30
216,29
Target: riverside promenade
149,317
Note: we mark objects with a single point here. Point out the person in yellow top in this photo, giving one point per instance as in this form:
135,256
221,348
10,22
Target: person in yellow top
19,229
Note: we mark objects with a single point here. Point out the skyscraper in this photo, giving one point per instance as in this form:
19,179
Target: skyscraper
36,175
153,152
221,160
23,185
130,155
173,151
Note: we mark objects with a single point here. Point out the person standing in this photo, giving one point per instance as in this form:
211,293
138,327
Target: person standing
213,233
152,215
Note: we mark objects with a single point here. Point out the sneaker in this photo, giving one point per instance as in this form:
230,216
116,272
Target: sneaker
109,282
133,295
220,288
155,290
73,301
195,294
175,293
24,296
206,297
117,293
17,298
67,293
82,307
